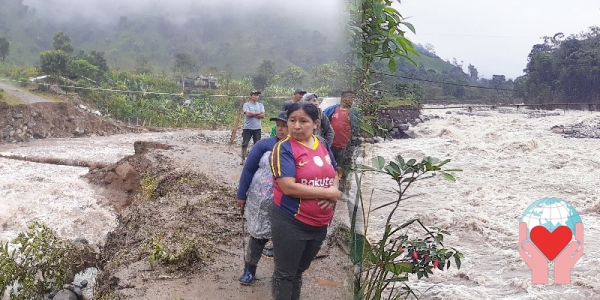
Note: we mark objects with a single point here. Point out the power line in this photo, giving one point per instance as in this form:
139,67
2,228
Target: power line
482,36
130,91
442,82
238,96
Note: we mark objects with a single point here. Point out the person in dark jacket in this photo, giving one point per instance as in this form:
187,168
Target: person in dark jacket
298,94
255,196
324,128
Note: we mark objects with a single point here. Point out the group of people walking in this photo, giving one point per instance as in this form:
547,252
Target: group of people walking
290,183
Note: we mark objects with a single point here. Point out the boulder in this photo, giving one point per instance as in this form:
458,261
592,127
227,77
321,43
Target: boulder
65,294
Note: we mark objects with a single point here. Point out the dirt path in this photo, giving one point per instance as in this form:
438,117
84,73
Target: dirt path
28,98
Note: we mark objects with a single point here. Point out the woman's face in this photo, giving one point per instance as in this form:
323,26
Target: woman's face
314,101
281,129
300,125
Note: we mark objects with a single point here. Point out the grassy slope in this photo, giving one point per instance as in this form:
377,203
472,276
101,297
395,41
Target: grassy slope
10,99
436,64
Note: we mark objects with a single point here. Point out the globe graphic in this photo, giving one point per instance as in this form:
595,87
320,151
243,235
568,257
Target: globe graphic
550,213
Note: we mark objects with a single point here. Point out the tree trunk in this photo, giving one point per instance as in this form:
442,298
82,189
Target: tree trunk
55,161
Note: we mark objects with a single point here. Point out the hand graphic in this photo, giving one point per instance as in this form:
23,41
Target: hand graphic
568,257
533,257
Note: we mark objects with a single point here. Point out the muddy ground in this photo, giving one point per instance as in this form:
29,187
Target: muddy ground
180,234
69,117
184,214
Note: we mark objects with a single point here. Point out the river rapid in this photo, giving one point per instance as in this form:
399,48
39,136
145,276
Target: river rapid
510,158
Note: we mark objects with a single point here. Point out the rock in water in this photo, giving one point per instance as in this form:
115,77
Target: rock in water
65,295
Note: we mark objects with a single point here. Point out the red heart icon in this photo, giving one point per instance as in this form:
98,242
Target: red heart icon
550,243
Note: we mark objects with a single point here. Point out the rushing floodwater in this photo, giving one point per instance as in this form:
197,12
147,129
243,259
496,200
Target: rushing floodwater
57,195
509,159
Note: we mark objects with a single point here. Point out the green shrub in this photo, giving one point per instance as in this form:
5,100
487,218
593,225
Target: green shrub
40,261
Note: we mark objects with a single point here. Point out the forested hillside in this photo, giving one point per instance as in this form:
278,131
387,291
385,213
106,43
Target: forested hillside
432,80
212,38
264,42
563,69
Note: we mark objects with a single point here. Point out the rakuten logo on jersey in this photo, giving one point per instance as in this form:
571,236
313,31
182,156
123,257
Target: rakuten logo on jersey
319,182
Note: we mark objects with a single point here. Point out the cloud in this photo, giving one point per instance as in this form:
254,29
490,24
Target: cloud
495,36
105,12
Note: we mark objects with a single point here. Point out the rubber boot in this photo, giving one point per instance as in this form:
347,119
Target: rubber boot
297,288
268,251
248,275
281,289
244,153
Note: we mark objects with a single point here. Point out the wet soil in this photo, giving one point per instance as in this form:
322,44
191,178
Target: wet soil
24,123
180,233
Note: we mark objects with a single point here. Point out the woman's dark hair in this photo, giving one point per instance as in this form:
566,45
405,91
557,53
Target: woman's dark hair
310,109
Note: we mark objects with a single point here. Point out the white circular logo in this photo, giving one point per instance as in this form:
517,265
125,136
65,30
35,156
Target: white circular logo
328,159
318,161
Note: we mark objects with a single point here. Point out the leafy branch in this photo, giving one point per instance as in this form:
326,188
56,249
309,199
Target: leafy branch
406,173
396,255
39,262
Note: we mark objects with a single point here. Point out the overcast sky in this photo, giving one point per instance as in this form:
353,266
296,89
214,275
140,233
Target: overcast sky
495,36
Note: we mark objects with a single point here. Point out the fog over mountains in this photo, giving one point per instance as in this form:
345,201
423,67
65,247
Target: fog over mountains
314,14
239,33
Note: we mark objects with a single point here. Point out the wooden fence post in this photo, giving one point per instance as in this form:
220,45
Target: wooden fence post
237,122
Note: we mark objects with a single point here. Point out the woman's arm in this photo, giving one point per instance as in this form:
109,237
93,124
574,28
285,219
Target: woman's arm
330,203
290,187
284,170
250,166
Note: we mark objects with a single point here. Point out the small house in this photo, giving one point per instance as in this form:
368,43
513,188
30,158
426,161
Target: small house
206,82
186,82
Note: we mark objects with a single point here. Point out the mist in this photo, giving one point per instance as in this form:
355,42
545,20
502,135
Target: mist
323,15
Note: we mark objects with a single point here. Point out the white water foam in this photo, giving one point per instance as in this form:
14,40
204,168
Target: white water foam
57,195
509,159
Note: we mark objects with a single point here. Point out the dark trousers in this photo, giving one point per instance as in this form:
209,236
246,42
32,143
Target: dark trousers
246,135
296,245
343,161
339,154
254,251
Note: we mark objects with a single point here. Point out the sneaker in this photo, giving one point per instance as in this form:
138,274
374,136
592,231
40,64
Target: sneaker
268,252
